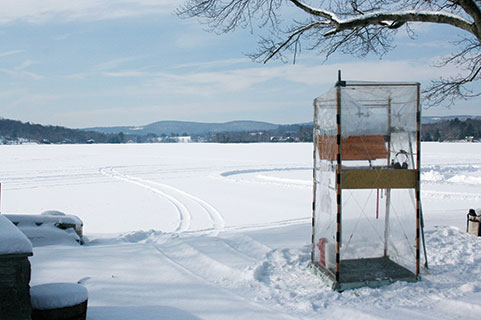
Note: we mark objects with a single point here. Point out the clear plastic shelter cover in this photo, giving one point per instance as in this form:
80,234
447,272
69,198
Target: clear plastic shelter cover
364,107
378,139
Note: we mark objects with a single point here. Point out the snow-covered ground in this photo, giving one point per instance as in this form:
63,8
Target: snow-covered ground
209,231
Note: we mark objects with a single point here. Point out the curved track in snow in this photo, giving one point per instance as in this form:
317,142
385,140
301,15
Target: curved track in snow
247,171
184,215
261,177
183,202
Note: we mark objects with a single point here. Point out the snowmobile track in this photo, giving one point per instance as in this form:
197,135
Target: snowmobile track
182,211
178,198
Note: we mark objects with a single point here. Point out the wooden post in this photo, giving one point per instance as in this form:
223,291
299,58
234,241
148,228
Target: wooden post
338,179
314,186
388,191
418,177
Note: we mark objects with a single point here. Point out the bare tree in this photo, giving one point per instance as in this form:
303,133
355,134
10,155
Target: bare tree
356,27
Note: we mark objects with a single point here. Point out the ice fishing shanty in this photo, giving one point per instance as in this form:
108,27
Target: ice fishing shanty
366,206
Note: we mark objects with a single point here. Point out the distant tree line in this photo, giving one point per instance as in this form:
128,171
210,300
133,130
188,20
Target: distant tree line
451,130
285,133
12,131
446,130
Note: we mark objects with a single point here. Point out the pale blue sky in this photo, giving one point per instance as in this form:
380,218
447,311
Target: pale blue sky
131,62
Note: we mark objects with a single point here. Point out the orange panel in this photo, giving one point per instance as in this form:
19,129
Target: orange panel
353,147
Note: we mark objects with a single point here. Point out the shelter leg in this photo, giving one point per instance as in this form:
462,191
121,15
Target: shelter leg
386,221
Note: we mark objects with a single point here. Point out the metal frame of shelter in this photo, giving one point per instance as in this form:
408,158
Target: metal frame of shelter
360,163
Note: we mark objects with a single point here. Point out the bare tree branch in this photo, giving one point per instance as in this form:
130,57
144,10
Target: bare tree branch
377,18
294,35
356,27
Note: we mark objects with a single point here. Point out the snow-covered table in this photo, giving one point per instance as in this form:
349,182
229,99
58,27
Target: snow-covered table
59,301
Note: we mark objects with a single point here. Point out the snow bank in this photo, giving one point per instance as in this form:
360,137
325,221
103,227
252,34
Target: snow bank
12,241
57,295
452,173
454,275
432,176
140,236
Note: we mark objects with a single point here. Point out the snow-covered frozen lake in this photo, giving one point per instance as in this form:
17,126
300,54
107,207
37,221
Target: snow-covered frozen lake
222,231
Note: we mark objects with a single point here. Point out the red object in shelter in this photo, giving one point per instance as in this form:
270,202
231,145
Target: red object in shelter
322,245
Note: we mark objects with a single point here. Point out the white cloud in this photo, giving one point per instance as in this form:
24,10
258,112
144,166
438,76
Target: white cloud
239,80
232,78
24,65
78,76
125,74
35,11
103,68
20,73
213,64
13,92
216,111
62,36
114,63
202,95
380,70
30,100
11,52
194,39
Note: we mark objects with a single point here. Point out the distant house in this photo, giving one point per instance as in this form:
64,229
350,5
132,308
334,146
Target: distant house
181,139
184,139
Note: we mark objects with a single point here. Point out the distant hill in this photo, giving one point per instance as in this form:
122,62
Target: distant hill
170,128
190,128
12,131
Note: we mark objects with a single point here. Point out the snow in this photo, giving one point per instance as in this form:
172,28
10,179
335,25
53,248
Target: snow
212,231
46,218
53,213
42,229
57,295
45,235
12,241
